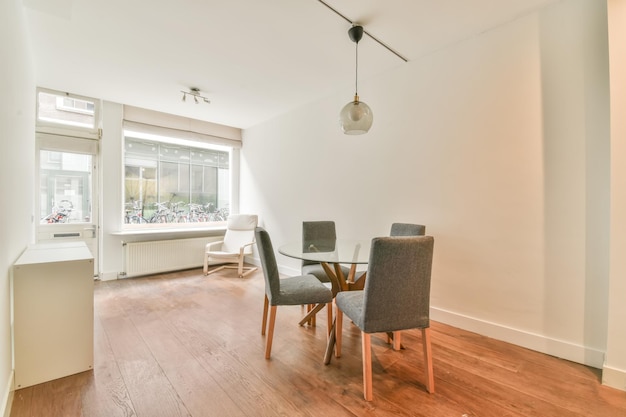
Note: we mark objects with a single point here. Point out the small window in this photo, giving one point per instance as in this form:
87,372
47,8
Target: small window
75,105
66,110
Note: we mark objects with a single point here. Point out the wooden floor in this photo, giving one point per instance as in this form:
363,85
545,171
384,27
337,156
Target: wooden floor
183,344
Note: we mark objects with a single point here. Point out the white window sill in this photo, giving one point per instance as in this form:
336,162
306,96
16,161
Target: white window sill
173,231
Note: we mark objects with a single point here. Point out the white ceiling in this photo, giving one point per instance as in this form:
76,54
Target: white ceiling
254,59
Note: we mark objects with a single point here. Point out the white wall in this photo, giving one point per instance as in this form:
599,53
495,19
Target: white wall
500,146
17,156
111,153
614,371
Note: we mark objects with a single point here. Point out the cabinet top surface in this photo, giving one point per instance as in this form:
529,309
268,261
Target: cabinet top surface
54,252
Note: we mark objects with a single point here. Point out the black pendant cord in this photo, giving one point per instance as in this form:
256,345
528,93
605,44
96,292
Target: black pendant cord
367,33
356,75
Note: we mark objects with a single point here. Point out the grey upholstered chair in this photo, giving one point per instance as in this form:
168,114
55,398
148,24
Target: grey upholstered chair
396,297
400,230
321,235
299,290
403,230
407,229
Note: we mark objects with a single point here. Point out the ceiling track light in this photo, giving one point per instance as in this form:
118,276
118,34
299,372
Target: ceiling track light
365,32
195,93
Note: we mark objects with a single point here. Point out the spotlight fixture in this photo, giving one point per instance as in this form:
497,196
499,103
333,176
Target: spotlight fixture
356,117
195,93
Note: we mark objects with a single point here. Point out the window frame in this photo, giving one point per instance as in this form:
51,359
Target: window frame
58,128
162,139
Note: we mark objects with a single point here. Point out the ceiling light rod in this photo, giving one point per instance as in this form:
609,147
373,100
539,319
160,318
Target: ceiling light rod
367,33
195,93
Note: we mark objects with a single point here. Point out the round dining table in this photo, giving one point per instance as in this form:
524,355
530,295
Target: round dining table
331,254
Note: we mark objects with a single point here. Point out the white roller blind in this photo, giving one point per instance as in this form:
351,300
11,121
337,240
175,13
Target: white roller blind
168,125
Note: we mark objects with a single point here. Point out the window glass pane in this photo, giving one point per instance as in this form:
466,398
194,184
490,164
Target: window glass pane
65,110
196,182
173,183
65,187
137,148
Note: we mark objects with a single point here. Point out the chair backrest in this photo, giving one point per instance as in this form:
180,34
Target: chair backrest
321,234
407,229
397,288
268,262
239,231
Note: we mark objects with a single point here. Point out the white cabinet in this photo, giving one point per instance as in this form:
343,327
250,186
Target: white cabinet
52,312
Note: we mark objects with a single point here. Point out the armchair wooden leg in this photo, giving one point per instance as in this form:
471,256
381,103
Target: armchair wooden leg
428,361
367,365
270,332
205,269
265,306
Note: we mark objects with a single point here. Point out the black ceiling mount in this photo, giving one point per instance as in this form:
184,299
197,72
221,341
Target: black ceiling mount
363,31
356,33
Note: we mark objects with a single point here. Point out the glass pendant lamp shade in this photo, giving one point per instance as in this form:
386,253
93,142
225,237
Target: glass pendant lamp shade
356,117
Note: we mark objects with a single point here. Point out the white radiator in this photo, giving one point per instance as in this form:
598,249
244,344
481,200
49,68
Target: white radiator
145,258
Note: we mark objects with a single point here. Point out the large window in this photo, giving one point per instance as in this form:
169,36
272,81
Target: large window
173,181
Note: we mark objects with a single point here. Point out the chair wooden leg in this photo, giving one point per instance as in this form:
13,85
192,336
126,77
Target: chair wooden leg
206,264
367,365
270,332
265,306
397,340
428,361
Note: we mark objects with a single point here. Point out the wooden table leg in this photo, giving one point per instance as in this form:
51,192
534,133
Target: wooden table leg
311,313
335,280
331,343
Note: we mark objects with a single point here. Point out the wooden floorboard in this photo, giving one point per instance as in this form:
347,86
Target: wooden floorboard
182,344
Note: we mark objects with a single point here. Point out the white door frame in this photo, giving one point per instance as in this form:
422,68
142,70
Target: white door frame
87,231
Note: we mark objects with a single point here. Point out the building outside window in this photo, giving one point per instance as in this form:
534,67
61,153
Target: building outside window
57,109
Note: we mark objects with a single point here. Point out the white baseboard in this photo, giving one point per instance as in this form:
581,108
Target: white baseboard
614,378
108,276
7,397
559,348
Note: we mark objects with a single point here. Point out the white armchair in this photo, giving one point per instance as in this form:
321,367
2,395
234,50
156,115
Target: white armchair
237,243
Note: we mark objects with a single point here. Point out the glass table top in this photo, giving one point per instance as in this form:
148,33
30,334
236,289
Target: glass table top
343,251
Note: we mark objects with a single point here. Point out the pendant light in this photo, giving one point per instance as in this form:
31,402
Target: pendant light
356,117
